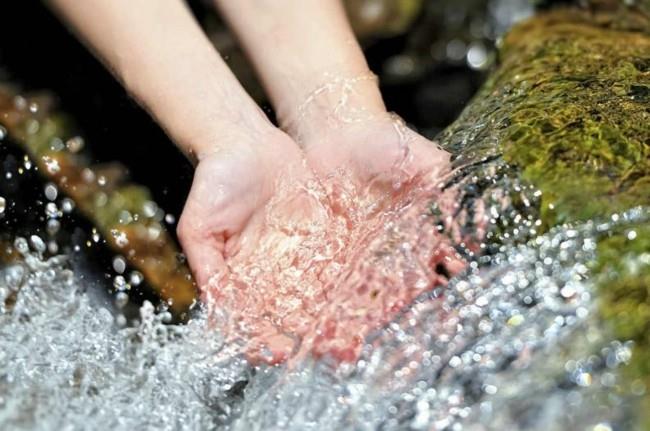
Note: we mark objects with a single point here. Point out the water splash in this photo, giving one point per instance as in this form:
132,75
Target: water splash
514,343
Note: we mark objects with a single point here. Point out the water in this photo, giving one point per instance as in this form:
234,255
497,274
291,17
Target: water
512,342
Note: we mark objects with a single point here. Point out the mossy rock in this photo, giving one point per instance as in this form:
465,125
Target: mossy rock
568,112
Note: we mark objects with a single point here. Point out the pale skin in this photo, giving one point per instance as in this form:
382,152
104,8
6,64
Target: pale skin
308,61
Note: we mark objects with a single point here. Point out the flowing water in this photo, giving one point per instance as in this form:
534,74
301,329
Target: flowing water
410,322
513,341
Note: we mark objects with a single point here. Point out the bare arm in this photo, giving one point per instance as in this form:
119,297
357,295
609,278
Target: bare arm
158,51
299,47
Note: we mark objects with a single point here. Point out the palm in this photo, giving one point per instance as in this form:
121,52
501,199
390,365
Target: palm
226,202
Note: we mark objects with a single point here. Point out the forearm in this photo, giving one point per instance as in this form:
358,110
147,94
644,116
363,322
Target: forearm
306,54
158,51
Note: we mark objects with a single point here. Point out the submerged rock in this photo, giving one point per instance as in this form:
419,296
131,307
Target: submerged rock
568,112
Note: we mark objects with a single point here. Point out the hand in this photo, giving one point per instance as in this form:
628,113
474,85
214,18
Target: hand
380,154
230,190
256,229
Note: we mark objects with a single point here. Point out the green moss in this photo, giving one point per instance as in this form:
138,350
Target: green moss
624,273
583,134
569,110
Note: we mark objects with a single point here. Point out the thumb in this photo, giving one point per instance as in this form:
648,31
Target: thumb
204,253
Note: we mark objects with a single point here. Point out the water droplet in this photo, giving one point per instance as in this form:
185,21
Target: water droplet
75,144
477,56
67,205
52,165
51,192
136,278
583,379
37,243
125,217
120,320
121,299
119,264
516,320
53,226
88,175
455,361
53,247
51,210
149,209
3,205
119,282
57,144
121,240
490,389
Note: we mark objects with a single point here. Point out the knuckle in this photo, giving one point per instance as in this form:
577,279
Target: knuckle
183,229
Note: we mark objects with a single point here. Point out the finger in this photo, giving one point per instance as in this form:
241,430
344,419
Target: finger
205,256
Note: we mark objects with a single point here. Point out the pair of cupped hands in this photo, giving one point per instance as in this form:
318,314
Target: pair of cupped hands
226,216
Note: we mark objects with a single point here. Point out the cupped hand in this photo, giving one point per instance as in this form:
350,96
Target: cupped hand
231,187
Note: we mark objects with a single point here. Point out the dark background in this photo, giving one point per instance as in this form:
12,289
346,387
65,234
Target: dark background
38,53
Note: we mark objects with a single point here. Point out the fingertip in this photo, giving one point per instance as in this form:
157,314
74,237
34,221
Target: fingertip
206,261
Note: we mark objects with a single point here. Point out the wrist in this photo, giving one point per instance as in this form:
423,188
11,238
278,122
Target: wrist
250,133
333,101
